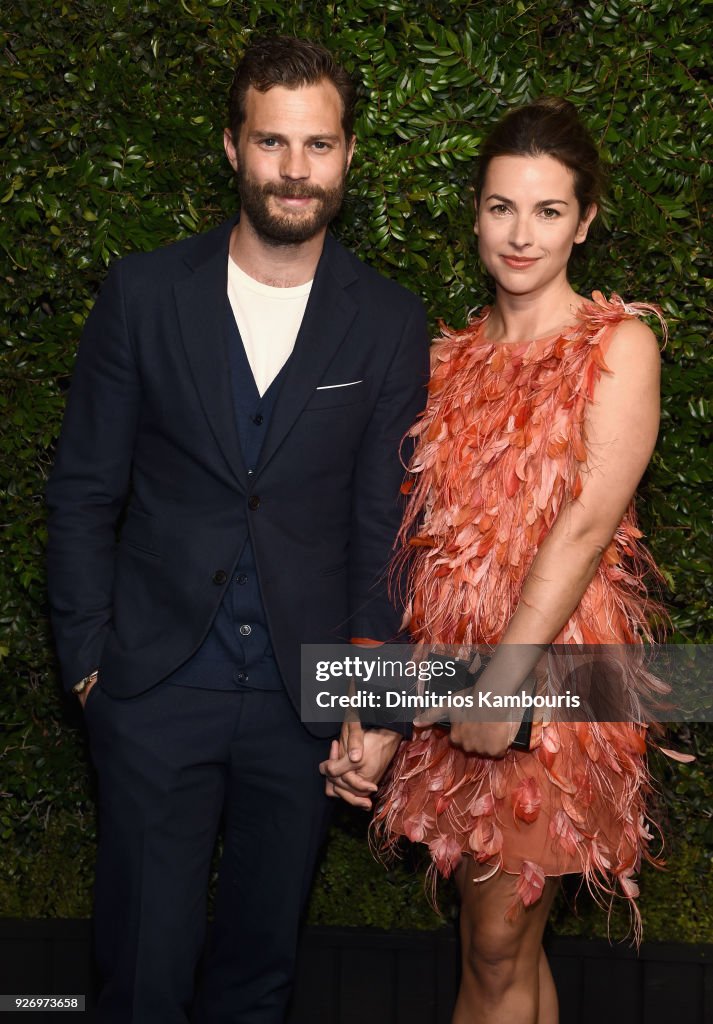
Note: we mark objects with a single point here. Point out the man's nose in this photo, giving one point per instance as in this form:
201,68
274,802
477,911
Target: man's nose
295,164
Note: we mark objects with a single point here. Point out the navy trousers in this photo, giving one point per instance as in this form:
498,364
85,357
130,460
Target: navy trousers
171,764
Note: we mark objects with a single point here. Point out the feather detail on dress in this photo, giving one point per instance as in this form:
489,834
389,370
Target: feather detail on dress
500,451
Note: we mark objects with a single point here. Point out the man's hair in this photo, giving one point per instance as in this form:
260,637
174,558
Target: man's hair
290,62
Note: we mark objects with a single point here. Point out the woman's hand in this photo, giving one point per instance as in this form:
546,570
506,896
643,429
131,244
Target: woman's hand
488,739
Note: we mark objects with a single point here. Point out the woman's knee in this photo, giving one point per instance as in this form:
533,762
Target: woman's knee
492,959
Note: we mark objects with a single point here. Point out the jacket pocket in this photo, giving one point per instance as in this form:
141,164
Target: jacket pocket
139,532
336,395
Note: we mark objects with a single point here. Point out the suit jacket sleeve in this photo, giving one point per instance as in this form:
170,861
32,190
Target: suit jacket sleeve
90,481
379,473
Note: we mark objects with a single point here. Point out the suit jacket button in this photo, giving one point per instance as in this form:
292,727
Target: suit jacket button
219,577
253,502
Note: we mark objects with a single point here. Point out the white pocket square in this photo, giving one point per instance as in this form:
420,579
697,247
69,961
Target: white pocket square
328,387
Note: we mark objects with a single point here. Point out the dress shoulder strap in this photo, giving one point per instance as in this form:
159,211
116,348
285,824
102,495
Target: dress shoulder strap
602,316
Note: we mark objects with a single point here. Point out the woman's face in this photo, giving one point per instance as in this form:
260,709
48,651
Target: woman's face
527,221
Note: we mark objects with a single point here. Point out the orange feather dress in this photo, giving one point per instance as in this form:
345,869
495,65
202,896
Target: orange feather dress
500,451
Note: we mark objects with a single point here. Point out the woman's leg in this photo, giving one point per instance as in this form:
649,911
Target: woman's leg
505,972
548,1005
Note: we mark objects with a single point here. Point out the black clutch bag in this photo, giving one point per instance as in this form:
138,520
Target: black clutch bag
460,677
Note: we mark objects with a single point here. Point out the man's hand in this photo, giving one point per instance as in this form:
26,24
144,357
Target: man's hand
82,697
357,760
86,691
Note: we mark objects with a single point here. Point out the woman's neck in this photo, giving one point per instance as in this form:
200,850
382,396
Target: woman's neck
516,318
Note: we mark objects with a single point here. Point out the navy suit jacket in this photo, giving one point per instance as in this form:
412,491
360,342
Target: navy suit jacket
150,501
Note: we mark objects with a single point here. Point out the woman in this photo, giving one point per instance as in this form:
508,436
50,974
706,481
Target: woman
542,417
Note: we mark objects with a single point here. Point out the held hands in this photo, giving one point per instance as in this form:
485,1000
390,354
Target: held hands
356,762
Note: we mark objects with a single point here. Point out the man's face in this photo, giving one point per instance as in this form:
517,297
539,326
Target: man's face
291,161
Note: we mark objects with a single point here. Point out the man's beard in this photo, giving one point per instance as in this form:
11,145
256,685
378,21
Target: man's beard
287,229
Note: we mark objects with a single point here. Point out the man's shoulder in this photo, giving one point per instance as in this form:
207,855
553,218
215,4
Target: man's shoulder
175,257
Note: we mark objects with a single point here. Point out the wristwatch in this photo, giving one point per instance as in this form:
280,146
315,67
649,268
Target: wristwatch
81,686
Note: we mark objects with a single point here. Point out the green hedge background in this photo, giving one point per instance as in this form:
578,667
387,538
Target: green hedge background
112,114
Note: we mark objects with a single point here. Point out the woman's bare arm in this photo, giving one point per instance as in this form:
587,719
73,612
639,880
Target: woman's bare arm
621,428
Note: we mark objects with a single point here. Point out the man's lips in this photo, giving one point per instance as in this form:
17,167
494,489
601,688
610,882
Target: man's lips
520,262
296,200
294,204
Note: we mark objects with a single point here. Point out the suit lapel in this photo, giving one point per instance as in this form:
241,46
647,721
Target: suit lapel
328,316
201,302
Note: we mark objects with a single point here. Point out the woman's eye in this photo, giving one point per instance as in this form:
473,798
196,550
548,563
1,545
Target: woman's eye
500,208
549,213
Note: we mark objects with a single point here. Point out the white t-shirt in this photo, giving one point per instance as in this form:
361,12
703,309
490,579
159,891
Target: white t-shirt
268,320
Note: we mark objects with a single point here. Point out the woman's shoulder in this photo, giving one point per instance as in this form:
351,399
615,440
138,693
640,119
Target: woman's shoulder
620,342
451,339
614,319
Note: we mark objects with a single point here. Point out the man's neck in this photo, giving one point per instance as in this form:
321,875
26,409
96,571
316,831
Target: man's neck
280,266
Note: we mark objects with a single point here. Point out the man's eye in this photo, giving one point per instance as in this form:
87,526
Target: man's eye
268,143
321,146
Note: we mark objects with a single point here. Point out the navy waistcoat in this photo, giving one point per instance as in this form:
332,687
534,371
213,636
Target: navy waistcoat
237,651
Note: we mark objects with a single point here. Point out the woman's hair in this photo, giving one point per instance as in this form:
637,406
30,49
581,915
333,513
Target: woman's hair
549,126
284,60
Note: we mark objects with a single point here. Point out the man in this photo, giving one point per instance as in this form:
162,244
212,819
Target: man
235,415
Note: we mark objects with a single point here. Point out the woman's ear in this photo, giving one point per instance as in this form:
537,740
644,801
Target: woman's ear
475,211
583,226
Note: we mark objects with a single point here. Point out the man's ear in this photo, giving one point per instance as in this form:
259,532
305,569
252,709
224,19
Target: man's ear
583,226
351,146
230,150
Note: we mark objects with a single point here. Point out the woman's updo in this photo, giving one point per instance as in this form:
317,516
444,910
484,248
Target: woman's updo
549,126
